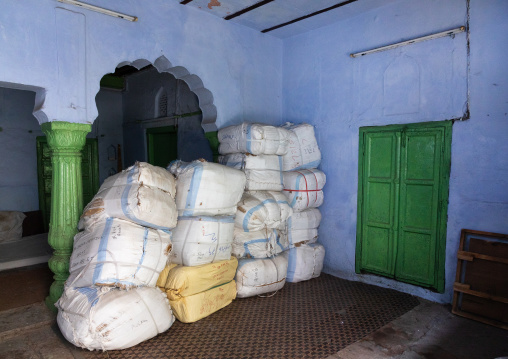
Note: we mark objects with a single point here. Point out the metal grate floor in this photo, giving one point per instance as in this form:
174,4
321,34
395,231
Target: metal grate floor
312,319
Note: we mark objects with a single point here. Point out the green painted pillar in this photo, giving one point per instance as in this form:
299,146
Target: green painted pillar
214,144
65,140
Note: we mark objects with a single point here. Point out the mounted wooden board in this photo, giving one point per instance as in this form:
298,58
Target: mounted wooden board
481,282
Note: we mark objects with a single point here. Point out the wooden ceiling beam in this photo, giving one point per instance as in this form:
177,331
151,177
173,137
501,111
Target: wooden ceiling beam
308,16
247,9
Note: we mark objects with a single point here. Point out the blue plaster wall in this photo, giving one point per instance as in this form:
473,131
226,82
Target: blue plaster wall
65,51
18,153
422,82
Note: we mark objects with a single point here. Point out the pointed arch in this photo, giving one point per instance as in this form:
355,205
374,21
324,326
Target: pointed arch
205,96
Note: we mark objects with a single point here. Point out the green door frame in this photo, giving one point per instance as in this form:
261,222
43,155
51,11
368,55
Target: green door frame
443,191
151,150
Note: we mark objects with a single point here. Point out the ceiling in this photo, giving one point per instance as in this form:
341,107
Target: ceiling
284,18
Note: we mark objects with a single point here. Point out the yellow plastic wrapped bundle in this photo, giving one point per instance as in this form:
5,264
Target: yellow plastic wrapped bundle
196,292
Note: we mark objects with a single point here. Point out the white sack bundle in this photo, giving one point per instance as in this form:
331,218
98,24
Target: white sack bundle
254,138
11,225
138,203
202,240
303,150
118,253
143,173
302,226
105,318
262,209
304,188
247,161
207,189
305,262
259,276
258,244
263,172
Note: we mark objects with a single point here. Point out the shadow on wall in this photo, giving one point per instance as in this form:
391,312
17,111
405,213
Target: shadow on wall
151,116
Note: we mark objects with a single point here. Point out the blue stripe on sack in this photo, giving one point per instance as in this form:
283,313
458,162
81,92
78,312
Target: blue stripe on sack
118,282
281,174
219,219
90,293
232,164
251,211
248,136
246,244
297,183
290,231
309,165
126,210
102,250
192,195
277,240
244,261
145,240
291,265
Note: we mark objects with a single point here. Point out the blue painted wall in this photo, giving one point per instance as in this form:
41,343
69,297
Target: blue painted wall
65,51
422,82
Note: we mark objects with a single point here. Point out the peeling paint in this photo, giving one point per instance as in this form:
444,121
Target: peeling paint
213,3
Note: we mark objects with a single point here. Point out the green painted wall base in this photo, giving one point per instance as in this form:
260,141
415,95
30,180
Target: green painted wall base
214,144
66,140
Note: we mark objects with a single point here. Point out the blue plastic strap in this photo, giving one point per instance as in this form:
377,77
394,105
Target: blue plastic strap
102,250
192,195
291,264
281,174
246,244
219,219
90,293
249,136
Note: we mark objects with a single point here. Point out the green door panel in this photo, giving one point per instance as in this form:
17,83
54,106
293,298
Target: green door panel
419,200
89,172
381,171
402,202
162,145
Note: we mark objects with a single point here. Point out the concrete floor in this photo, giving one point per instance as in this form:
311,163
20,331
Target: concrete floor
427,331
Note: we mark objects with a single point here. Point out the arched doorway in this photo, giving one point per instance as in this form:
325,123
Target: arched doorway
154,113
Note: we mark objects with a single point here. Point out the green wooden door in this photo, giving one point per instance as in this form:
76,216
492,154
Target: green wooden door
403,191
89,172
162,145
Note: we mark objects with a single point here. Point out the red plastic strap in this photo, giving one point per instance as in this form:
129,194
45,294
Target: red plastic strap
306,186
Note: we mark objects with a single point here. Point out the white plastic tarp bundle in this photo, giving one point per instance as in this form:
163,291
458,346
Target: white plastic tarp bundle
263,172
258,244
11,225
303,150
202,240
262,209
305,262
260,276
118,253
106,318
143,173
254,138
138,203
207,189
303,188
302,226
